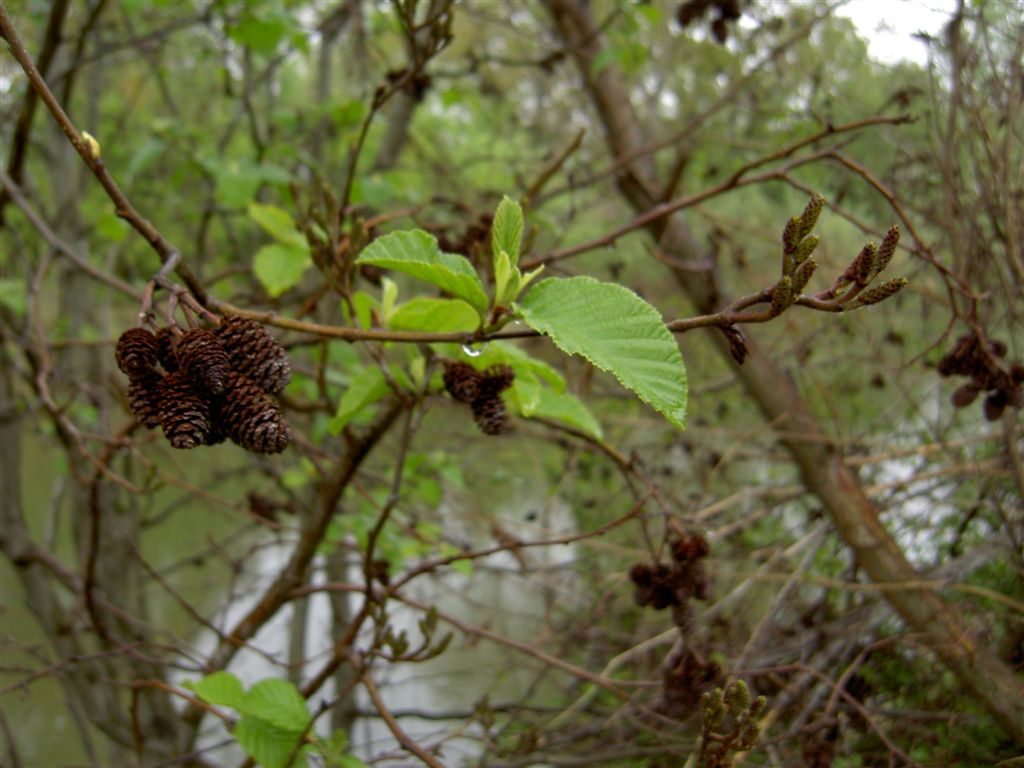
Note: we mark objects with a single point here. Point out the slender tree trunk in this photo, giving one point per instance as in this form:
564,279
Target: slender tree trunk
823,472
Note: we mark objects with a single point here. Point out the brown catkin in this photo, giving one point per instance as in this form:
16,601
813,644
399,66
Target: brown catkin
863,267
144,397
202,355
887,248
251,418
184,411
881,292
136,352
254,353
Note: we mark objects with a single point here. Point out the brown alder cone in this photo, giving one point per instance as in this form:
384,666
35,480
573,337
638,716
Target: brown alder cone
254,353
167,344
462,381
136,352
489,414
184,411
144,397
496,379
251,418
202,355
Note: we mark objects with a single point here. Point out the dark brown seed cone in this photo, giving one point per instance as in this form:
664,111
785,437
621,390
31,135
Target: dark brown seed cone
202,355
144,397
217,432
167,345
251,418
961,358
997,348
136,352
496,379
254,353
489,414
995,404
682,617
462,381
184,411
966,394
689,548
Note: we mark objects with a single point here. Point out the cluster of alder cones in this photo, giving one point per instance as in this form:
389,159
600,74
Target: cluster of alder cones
482,390
979,362
662,585
206,386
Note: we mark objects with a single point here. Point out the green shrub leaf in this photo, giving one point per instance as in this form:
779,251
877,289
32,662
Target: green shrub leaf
568,409
435,315
221,689
277,223
267,744
416,253
280,267
278,702
616,331
367,387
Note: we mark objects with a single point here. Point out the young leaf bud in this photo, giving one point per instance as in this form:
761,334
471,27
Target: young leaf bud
91,145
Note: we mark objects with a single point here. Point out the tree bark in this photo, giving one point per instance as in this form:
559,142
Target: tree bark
822,470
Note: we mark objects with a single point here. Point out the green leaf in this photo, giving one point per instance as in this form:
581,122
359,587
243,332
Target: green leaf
526,279
261,35
350,761
364,305
616,331
367,387
147,152
506,280
416,253
14,293
434,315
525,393
568,409
267,744
388,297
221,689
280,267
277,223
238,181
278,702
507,229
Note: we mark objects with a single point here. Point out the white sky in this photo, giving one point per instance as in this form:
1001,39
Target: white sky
889,25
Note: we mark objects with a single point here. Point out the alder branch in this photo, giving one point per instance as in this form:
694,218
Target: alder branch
403,738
